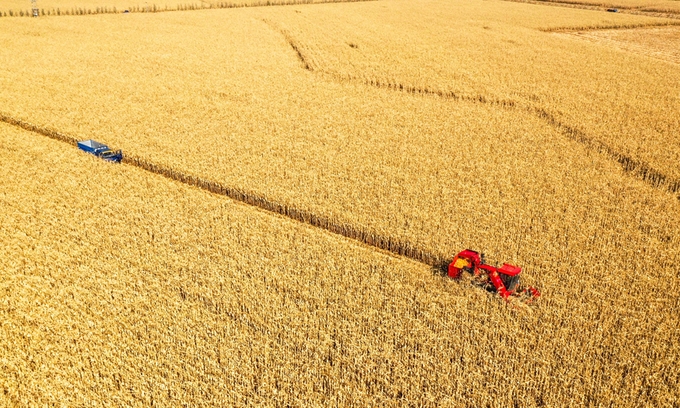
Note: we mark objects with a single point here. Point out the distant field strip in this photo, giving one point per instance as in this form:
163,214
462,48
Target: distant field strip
153,8
639,10
385,243
637,168
604,27
661,43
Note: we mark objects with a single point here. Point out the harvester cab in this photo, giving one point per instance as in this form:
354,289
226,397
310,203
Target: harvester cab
509,275
504,280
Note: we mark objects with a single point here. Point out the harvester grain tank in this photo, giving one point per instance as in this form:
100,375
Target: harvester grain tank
101,150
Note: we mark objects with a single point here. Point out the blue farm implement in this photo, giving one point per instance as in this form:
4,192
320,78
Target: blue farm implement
101,150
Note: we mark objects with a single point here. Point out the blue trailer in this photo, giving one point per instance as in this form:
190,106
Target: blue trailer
101,150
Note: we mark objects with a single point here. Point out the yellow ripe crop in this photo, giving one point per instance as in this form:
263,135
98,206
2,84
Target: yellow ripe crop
158,291
433,124
87,7
506,53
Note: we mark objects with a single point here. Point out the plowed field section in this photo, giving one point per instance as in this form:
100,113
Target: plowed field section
669,8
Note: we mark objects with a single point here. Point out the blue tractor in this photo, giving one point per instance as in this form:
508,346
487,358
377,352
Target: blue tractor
101,150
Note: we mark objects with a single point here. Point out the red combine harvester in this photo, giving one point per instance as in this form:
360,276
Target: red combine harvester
505,280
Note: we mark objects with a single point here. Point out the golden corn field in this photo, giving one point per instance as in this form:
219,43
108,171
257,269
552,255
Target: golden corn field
295,177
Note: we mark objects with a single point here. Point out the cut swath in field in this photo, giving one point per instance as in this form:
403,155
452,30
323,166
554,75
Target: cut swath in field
386,243
662,43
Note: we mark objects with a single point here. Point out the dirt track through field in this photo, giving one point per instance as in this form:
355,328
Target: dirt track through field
630,165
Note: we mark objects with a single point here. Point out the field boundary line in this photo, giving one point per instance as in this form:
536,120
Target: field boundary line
150,9
365,236
630,165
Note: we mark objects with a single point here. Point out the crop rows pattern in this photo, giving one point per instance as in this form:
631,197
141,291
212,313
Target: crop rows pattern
121,285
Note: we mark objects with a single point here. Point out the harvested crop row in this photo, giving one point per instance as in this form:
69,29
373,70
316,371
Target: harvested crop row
386,243
658,42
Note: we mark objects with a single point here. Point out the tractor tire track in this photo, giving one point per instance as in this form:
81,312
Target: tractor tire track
630,165
386,243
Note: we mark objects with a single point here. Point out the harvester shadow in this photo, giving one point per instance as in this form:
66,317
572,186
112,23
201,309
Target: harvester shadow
440,268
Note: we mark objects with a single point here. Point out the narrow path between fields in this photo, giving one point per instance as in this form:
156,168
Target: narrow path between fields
630,165
609,27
